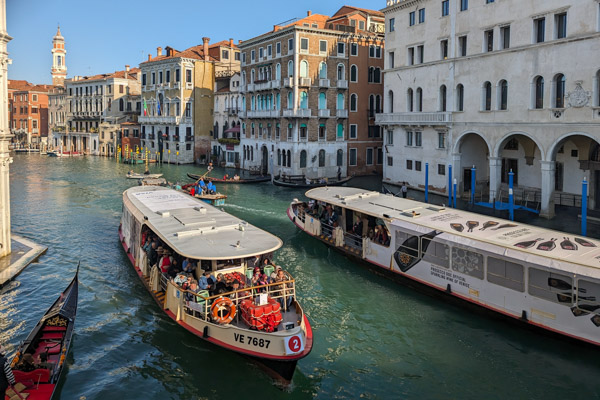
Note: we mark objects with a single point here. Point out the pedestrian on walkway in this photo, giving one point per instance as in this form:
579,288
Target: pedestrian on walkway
6,375
404,190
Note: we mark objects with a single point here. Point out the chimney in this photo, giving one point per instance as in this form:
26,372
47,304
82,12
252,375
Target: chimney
308,13
149,57
240,41
230,42
126,71
158,51
275,28
127,68
205,41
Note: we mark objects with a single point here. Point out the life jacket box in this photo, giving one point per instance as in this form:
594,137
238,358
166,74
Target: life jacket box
262,299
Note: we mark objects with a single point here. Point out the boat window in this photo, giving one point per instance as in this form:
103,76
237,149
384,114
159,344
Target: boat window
551,286
467,262
589,298
407,250
437,253
505,273
225,264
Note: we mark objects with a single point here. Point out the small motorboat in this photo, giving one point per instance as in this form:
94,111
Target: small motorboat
40,359
135,175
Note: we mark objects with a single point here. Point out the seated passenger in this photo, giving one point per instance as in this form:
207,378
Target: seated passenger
180,279
189,267
283,289
236,177
256,276
27,363
263,281
220,285
173,269
194,289
206,281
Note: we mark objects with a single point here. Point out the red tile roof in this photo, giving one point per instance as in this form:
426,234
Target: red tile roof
195,52
117,74
345,10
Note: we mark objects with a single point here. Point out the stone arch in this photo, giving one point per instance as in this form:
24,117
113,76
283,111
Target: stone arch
461,136
502,142
471,149
562,139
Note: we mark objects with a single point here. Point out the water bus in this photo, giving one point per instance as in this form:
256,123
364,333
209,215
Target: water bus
544,278
262,321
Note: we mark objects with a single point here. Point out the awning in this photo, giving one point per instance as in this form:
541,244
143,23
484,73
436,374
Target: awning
235,129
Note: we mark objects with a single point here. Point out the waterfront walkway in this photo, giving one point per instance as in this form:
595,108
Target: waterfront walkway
24,252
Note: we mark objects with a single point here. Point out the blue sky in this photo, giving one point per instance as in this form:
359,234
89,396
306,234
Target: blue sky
104,35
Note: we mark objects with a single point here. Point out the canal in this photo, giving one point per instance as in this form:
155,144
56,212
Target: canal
374,339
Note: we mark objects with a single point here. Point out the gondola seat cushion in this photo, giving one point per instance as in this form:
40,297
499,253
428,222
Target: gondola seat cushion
37,375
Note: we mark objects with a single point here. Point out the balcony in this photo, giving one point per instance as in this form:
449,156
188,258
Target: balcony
233,110
414,118
176,85
167,120
324,113
341,113
288,82
264,114
262,85
189,85
242,114
189,138
275,83
148,88
342,84
299,113
250,87
305,81
324,83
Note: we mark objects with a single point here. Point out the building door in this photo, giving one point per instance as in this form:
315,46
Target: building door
597,189
265,161
510,164
467,180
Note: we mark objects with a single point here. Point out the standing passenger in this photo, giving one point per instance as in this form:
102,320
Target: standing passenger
6,375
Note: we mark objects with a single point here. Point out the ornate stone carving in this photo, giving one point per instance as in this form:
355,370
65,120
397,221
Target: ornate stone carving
579,97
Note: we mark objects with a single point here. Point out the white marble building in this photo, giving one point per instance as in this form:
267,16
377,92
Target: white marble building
226,149
498,85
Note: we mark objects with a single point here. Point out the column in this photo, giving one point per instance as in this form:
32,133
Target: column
495,177
5,137
547,206
456,171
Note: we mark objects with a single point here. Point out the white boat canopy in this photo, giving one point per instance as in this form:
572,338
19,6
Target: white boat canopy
511,235
195,229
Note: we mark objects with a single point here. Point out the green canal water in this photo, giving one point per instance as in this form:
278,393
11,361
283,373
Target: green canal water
373,338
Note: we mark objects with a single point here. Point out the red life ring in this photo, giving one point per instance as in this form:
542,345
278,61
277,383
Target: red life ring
223,310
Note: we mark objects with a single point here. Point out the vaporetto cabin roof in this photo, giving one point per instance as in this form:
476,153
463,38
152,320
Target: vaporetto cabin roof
196,229
513,236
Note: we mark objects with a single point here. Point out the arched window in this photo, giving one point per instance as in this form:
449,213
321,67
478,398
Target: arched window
371,73
377,75
391,101
340,101
279,157
538,102
278,71
340,158
278,101
353,102
253,104
303,100
503,95
409,100
321,158
322,101
460,97
597,88
341,72
290,73
284,159
251,153
290,103
353,73
559,91
303,69
419,99
442,98
289,159
303,159
371,106
252,75
340,132
323,70
378,104
487,96
216,128
243,78
121,104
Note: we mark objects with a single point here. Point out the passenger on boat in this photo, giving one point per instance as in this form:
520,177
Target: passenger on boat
236,177
253,262
225,177
189,267
307,181
192,191
283,288
381,235
153,253
220,285
256,276
173,269
274,273
206,281
27,363
165,261
192,288
211,188
6,374
263,281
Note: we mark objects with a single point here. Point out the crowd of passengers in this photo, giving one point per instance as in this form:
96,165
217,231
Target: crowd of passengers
201,188
182,272
376,230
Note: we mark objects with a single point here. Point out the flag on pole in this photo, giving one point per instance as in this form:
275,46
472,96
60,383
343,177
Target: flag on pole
145,108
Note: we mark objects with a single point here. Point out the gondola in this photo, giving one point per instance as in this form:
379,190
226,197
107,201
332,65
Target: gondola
133,175
48,344
303,184
231,180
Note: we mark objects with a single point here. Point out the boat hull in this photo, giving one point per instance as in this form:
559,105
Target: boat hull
299,184
276,365
228,181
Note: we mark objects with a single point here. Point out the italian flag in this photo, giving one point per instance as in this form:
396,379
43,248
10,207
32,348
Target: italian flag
145,108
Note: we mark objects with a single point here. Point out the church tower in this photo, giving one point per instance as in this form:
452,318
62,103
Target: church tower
59,66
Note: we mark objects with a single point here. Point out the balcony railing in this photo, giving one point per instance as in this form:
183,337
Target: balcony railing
288,82
189,138
341,113
173,120
242,114
264,114
324,83
299,113
232,110
176,85
324,113
414,118
342,84
250,87
305,81
275,83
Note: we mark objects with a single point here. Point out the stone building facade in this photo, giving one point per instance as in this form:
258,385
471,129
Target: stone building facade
28,112
227,124
297,90
475,84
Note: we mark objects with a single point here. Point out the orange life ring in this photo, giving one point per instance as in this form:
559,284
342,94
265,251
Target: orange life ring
223,304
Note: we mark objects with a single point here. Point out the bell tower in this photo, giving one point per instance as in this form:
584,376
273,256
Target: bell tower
59,66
